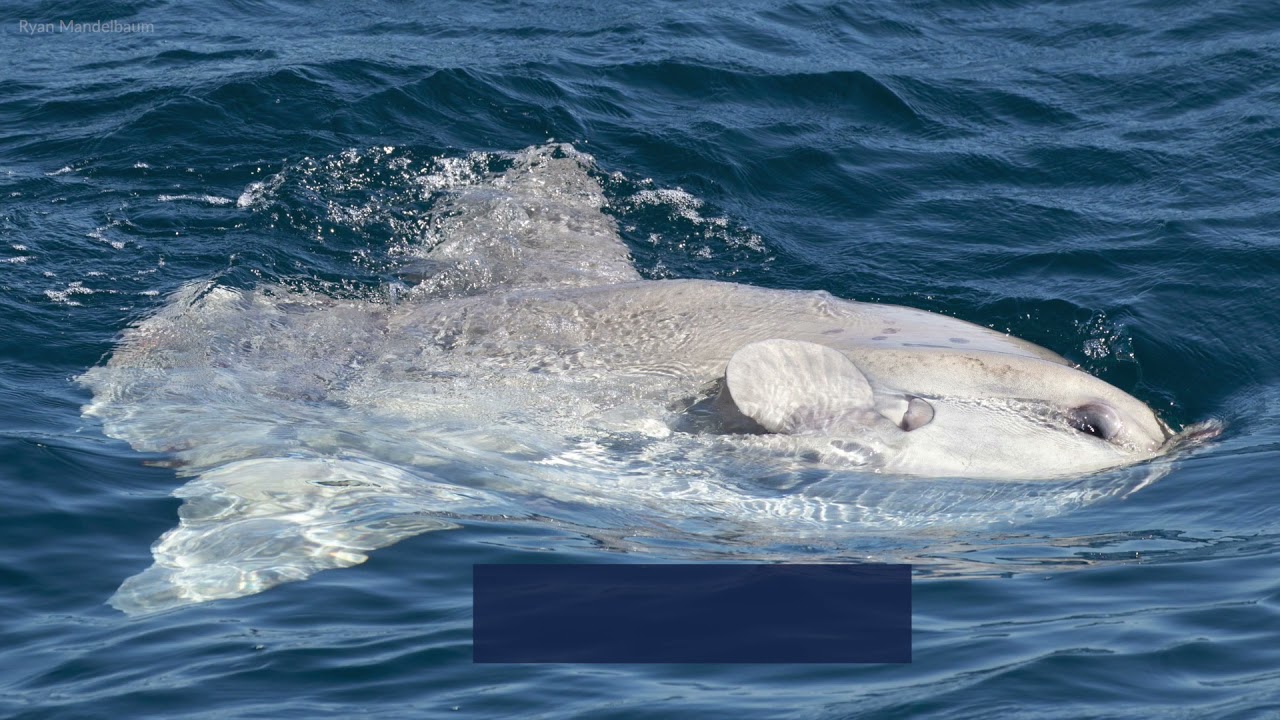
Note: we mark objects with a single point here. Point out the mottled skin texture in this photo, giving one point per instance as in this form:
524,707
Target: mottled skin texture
1002,406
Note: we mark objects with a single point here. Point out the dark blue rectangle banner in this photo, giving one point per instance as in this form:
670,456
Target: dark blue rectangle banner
692,613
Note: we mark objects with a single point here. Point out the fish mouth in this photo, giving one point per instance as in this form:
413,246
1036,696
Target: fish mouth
1195,435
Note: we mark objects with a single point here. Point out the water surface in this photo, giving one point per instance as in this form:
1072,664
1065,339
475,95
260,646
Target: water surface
1098,178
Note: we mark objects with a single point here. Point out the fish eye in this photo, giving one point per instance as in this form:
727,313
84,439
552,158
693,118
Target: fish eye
1095,419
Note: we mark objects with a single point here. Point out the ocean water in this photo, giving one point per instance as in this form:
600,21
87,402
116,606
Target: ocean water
1097,177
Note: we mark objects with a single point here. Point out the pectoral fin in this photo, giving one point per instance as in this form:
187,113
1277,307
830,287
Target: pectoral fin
792,387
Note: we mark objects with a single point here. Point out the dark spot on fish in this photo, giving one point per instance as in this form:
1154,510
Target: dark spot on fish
960,341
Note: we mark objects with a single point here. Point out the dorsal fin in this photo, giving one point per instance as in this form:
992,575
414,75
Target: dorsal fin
540,224
790,386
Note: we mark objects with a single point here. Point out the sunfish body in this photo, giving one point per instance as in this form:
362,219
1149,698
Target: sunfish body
892,388
531,359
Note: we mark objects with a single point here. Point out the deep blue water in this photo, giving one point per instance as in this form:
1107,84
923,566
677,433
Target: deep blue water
1097,177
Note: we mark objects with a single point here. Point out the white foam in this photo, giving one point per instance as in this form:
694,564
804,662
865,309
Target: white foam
64,296
259,192
207,199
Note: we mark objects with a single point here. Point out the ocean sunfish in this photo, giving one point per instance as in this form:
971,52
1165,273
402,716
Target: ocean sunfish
322,428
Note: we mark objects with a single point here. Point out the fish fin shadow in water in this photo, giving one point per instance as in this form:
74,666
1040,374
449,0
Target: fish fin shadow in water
254,524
